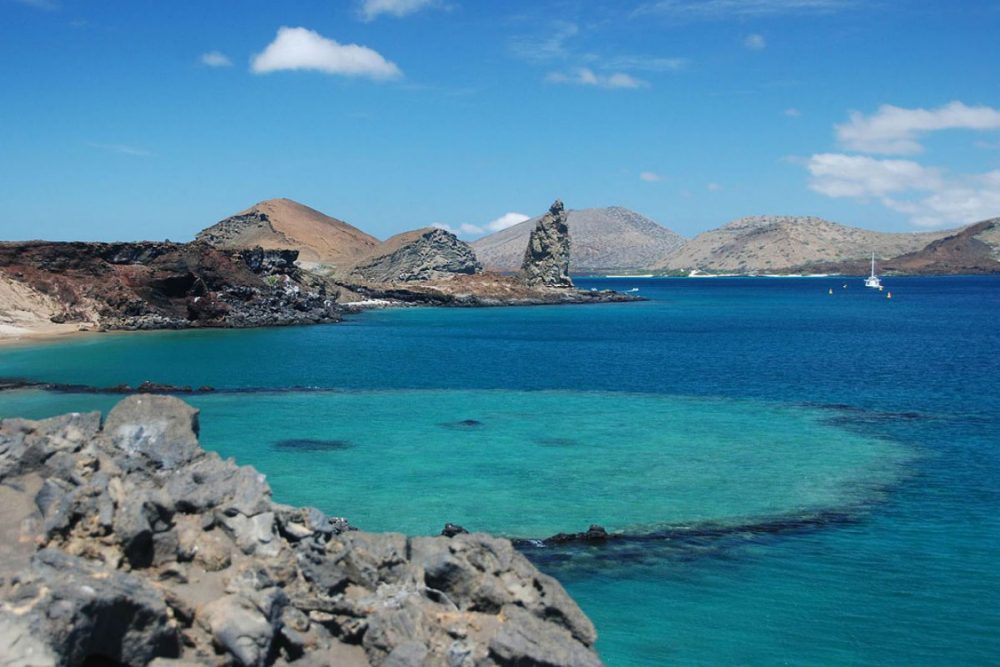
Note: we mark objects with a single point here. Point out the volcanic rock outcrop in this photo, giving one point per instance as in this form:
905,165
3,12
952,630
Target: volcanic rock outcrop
420,255
147,285
126,543
546,259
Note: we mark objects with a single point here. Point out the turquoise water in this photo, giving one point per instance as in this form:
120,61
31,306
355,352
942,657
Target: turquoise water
802,478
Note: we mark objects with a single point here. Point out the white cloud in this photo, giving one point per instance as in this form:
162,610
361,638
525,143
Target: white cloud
895,131
649,176
215,59
755,42
728,9
585,76
956,204
303,49
503,222
792,112
923,193
860,176
371,9
122,149
506,220
713,187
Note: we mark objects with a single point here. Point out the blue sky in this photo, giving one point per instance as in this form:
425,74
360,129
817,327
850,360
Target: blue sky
152,119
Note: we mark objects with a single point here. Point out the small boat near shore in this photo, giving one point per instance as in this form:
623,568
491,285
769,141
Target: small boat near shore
873,280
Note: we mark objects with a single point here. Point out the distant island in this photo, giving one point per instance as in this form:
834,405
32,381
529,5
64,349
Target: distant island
280,262
616,240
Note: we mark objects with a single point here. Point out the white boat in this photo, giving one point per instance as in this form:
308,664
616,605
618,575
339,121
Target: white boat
873,281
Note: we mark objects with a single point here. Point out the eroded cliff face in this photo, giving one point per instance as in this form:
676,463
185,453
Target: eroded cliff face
149,285
546,259
127,542
418,256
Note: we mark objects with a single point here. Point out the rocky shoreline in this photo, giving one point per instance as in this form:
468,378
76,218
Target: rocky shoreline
124,542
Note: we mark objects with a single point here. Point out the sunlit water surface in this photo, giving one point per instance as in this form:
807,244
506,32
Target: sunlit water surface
798,477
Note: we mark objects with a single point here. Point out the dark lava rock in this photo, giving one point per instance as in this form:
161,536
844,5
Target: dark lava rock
128,544
453,529
593,535
147,285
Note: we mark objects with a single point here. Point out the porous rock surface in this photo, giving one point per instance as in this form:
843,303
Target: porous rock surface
546,259
420,255
126,543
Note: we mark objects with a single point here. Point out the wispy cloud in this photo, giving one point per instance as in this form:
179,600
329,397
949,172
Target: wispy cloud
861,176
584,76
714,10
713,187
122,149
303,49
215,59
372,9
896,131
792,112
561,46
755,42
926,194
46,5
929,195
645,63
649,176
548,47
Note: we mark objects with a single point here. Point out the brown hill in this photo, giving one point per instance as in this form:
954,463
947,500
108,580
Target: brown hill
286,224
776,244
973,249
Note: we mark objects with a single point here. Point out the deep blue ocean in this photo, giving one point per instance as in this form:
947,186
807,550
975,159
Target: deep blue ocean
798,477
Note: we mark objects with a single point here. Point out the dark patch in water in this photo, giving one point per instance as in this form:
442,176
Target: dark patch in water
464,424
684,542
557,442
312,445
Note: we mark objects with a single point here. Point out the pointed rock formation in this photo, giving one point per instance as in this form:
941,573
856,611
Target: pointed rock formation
604,240
424,254
546,260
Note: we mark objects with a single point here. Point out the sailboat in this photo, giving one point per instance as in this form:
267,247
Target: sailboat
873,280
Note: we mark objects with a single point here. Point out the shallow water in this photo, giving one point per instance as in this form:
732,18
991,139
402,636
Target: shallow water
842,449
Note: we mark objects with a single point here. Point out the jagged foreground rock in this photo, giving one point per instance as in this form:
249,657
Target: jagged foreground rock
420,255
546,259
129,543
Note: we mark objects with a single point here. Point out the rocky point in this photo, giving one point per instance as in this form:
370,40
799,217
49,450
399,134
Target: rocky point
125,543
